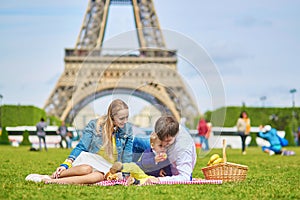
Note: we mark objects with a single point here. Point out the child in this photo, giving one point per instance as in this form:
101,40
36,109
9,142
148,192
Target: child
153,162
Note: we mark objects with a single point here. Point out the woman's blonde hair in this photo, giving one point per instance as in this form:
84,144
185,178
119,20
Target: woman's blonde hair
106,125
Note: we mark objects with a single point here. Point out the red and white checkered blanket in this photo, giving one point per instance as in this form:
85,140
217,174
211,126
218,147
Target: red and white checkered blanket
111,183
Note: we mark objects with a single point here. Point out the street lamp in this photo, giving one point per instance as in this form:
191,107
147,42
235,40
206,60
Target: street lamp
263,98
293,91
1,97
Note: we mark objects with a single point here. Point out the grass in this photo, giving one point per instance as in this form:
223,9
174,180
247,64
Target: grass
269,177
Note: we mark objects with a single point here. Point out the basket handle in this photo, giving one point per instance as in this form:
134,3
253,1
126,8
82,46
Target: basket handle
224,151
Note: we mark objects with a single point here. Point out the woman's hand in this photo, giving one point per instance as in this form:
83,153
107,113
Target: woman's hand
58,171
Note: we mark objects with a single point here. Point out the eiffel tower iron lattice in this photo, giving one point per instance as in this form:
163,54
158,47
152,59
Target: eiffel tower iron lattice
92,72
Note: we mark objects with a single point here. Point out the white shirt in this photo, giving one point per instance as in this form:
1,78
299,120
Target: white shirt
183,157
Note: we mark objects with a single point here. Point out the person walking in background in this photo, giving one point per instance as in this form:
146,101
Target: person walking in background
69,139
40,128
203,132
209,126
243,129
63,132
298,141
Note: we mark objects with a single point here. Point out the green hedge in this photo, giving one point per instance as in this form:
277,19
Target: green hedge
54,121
16,115
278,118
12,115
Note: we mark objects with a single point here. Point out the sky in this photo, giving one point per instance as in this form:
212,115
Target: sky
253,47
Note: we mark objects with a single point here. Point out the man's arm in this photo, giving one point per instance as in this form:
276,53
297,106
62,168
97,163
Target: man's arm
184,165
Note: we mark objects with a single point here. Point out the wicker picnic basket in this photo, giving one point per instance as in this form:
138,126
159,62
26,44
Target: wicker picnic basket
228,172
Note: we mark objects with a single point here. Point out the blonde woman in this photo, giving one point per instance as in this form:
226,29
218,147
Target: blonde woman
243,129
103,141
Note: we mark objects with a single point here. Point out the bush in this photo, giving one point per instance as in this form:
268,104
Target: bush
25,140
289,136
253,139
4,137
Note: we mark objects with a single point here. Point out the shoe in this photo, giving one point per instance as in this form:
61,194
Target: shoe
271,153
37,178
288,153
244,153
132,181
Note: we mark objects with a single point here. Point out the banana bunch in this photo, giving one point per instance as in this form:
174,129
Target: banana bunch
215,159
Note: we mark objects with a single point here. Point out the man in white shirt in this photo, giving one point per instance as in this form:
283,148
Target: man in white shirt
180,146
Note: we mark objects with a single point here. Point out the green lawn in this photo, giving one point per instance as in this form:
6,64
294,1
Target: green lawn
269,177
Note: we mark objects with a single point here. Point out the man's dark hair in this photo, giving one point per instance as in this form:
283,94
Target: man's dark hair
166,126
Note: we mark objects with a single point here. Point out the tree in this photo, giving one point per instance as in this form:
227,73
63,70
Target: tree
289,136
4,137
25,140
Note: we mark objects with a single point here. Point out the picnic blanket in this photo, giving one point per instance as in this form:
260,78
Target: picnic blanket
123,182
39,177
199,182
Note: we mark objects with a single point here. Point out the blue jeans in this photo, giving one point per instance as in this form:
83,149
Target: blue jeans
140,144
40,142
275,148
204,140
243,138
63,138
69,142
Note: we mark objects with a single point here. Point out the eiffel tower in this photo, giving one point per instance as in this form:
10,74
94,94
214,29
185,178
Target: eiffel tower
149,72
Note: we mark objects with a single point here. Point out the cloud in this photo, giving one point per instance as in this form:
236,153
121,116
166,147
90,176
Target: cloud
250,21
246,41
227,52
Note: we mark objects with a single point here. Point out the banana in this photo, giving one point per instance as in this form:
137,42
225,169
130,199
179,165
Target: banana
212,159
217,161
209,163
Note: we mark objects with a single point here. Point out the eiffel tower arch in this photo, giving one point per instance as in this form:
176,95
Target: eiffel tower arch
149,72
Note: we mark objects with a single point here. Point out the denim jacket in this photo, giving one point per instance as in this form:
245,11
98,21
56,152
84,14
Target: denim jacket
92,142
